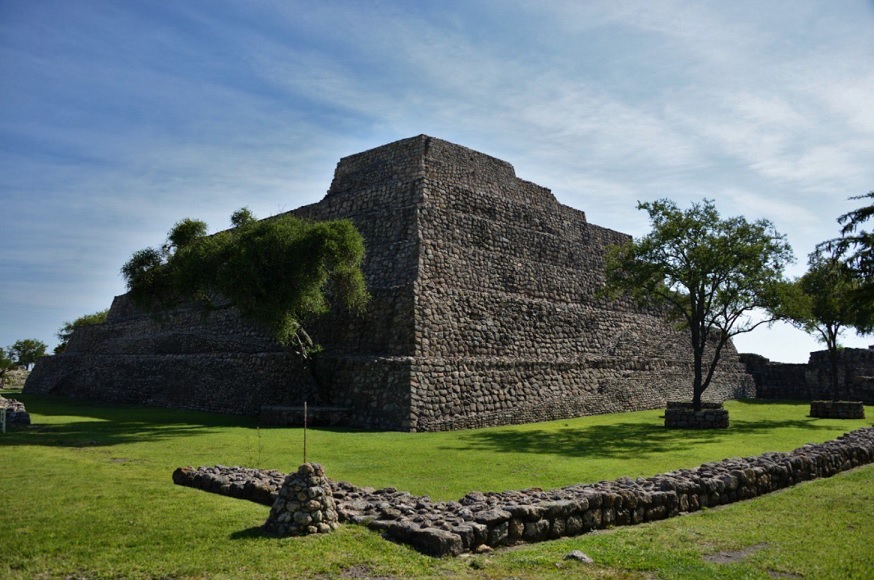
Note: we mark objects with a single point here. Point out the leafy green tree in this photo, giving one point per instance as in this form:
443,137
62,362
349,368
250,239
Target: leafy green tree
281,272
823,303
6,363
857,246
27,351
66,330
242,217
708,274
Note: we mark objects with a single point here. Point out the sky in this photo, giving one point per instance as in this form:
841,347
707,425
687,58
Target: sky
117,119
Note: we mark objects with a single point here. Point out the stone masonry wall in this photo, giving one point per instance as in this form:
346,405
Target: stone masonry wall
218,362
484,312
508,326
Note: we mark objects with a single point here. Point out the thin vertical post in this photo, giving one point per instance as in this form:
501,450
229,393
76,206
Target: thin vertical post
304,431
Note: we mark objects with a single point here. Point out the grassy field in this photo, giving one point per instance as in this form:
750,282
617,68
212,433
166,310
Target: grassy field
86,492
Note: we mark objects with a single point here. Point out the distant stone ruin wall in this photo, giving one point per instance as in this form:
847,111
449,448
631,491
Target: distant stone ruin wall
812,381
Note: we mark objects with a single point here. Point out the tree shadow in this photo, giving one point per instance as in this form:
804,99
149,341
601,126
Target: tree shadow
51,405
617,440
98,423
97,433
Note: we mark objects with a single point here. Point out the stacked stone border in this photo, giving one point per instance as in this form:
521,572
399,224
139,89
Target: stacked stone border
837,409
682,415
483,521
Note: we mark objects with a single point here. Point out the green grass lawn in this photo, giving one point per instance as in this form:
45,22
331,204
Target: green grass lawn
86,492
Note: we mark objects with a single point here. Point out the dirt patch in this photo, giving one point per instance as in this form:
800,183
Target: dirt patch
732,556
362,572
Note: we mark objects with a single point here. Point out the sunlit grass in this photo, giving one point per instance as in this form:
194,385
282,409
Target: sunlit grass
87,492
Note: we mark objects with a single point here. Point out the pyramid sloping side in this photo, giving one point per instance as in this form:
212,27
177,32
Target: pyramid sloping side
220,362
508,327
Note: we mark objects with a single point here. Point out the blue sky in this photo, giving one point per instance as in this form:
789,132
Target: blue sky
117,119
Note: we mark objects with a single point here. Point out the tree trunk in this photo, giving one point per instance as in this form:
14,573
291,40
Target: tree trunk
698,380
317,395
305,345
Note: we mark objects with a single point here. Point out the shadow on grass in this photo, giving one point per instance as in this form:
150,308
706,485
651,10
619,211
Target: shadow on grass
618,440
251,533
93,423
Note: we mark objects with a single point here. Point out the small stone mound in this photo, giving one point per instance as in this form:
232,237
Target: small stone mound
305,504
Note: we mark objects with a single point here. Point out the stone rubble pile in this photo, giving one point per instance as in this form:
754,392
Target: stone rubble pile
480,521
305,504
255,485
16,414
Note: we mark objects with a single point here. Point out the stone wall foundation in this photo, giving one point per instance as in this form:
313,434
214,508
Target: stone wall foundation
837,409
515,517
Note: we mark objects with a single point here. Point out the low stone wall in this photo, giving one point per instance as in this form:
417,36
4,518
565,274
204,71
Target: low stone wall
16,414
683,416
257,485
837,409
483,521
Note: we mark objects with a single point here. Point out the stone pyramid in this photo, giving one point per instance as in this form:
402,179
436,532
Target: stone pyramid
484,312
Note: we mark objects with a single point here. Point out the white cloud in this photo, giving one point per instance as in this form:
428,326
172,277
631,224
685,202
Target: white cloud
135,116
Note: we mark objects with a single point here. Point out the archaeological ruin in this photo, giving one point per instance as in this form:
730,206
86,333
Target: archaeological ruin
484,312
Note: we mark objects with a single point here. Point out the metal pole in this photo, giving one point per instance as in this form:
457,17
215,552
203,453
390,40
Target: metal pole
304,432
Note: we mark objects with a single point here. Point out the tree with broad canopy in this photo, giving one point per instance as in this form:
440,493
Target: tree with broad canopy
281,272
856,247
711,276
823,302
27,351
